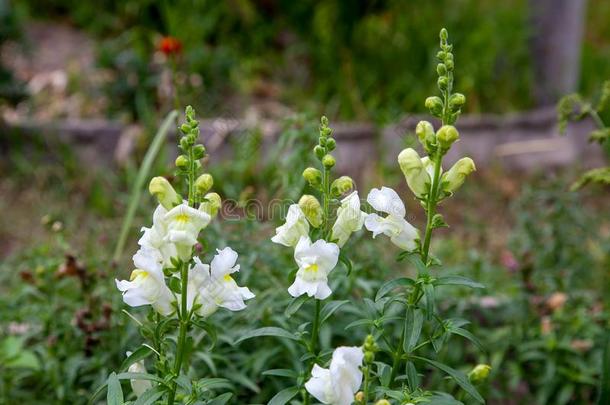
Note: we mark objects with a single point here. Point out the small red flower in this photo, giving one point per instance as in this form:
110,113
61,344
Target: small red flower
170,45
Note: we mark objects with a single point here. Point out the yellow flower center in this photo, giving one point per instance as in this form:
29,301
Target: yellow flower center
228,277
137,273
312,268
182,218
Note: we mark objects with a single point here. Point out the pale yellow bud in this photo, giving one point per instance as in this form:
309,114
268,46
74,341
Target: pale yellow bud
204,183
165,193
341,186
313,176
312,209
415,173
454,178
211,205
447,135
383,402
425,133
328,161
479,373
359,397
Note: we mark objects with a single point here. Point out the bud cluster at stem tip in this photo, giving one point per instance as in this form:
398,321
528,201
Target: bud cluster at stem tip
326,144
449,107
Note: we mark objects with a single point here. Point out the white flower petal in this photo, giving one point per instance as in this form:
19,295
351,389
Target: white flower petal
295,227
319,385
224,262
386,200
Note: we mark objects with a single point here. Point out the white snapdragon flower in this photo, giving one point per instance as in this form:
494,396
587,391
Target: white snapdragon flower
295,227
139,387
146,285
154,237
394,225
212,286
337,384
349,219
183,226
315,262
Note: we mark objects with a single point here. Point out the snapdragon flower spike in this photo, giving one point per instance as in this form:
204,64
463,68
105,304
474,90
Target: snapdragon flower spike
296,226
315,260
154,238
212,287
337,384
349,219
146,285
183,226
394,225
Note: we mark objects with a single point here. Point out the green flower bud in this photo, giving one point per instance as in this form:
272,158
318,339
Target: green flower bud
440,55
479,373
447,135
331,144
443,82
326,132
204,183
341,186
165,193
328,161
425,133
415,173
324,121
319,151
211,204
199,151
322,141
185,143
454,178
441,69
456,101
313,176
359,398
369,357
185,128
182,161
312,209
435,105
444,34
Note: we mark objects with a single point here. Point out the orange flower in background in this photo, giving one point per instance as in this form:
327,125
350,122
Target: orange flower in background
170,45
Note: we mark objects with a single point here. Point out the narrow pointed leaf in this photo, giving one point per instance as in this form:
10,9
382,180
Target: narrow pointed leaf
460,378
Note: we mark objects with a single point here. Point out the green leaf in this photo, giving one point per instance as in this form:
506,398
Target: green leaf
466,334
141,353
115,392
416,260
267,331
209,329
149,396
360,322
459,377
25,359
295,304
438,222
429,293
281,372
412,376
284,396
221,399
415,319
140,376
330,308
347,262
207,384
390,285
458,280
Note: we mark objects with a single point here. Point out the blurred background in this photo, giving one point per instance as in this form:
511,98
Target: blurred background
84,87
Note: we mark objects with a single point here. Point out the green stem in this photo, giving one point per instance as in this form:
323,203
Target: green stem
184,322
366,383
315,331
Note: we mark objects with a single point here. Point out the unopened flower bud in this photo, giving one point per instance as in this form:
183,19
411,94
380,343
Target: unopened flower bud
369,357
310,206
204,183
441,69
328,161
331,144
449,63
165,193
359,397
199,151
444,34
185,143
383,402
313,176
454,178
435,105
341,186
442,83
319,151
456,101
415,173
324,121
425,133
447,135
211,204
185,128
479,373
182,161
322,141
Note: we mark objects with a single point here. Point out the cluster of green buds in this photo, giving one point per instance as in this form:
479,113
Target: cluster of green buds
449,108
188,164
316,178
